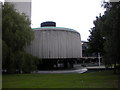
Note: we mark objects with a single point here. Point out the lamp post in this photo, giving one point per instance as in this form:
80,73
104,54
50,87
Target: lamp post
99,58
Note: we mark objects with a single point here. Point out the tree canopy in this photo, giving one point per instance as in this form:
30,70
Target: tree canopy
96,40
16,34
108,28
111,31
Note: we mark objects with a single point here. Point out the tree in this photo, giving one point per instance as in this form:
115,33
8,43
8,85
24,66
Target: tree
16,28
111,30
16,34
96,40
108,28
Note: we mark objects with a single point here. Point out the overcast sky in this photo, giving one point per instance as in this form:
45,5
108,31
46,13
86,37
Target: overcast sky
75,14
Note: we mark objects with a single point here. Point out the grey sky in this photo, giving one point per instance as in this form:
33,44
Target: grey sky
75,14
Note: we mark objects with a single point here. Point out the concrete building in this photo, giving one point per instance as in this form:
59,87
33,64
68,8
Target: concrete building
55,43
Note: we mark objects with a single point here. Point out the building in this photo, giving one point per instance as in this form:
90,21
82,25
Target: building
88,57
22,6
56,44
85,49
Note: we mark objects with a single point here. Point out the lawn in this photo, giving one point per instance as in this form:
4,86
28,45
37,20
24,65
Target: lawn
104,79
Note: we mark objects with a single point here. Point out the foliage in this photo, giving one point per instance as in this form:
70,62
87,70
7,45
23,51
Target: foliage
16,34
25,62
111,31
108,27
95,40
16,28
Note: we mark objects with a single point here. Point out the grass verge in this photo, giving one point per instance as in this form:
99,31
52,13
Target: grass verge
104,79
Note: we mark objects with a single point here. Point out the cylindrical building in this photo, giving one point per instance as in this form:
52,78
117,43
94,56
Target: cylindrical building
55,43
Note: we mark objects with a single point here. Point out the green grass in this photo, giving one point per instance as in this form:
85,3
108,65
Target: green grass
87,80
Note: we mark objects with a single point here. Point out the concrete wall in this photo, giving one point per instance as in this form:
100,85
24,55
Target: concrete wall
55,44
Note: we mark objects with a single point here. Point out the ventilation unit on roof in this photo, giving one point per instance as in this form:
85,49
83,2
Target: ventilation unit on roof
48,24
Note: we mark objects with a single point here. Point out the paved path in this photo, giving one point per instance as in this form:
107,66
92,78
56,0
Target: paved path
64,71
96,67
77,69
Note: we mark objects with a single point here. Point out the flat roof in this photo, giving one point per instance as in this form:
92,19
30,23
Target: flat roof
55,28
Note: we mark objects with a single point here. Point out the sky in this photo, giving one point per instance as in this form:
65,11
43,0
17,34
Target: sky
74,14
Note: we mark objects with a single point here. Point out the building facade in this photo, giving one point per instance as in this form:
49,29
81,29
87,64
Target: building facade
55,43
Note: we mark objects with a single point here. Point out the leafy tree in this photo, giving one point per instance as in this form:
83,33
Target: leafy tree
16,34
25,62
16,28
96,40
111,31
107,27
